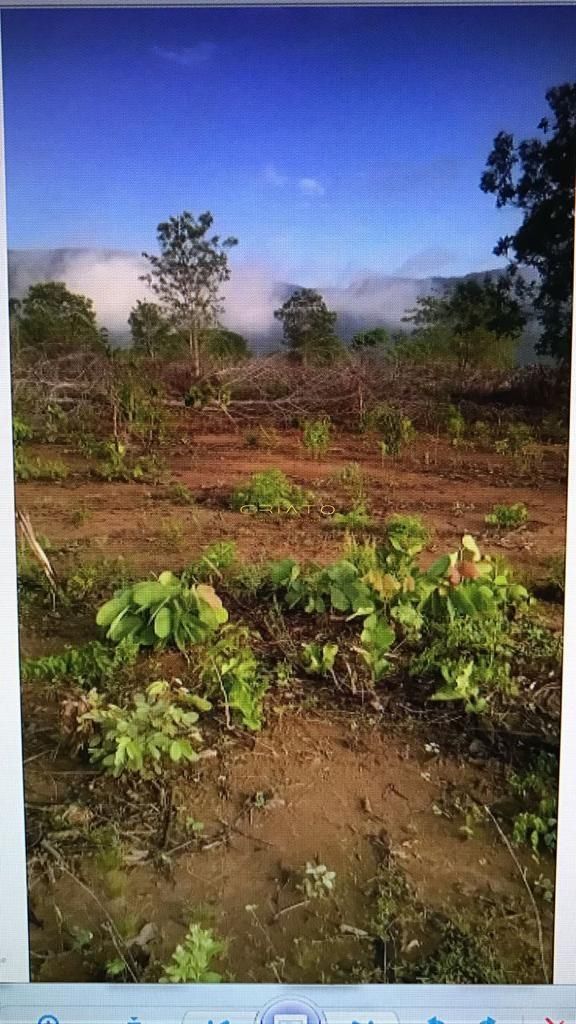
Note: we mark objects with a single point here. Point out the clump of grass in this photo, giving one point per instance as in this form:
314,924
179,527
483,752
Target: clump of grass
507,517
270,491
27,468
180,494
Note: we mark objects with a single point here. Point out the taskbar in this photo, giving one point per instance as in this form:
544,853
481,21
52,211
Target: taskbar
285,1004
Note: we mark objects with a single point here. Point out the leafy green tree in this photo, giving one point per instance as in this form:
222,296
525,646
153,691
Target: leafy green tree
308,327
187,275
152,334
478,323
55,321
225,346
378,337
537,176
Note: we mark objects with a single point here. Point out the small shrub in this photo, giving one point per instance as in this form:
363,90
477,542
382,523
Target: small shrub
216,559
538,787
507,517
316,436
229,668
396,429
482,433
93,580
270,491
192,960
358,518
516,441
159,729
455,424
21,431
121,465
180,494
352,479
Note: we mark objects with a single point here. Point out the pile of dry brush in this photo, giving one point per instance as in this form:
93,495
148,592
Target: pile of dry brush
278,390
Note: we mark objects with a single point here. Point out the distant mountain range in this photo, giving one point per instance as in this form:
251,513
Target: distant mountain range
111,278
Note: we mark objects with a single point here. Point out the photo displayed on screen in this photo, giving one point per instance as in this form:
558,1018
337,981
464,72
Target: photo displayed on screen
290,330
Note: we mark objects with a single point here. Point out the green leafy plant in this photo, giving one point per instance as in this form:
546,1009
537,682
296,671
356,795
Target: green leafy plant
27,468
21,431
316,436
121,465
455,424
357,518
163,612
215,560
270,491
160,728
396,429
377,638
538,787
460,684
95,664
507,517
229,668
338,587
352,478
318,659
192,961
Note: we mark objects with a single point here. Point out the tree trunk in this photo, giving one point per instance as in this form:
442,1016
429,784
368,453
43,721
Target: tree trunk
195,350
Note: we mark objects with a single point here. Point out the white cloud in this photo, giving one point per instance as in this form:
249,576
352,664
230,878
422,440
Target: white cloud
308,186
273,177
311,187
188,56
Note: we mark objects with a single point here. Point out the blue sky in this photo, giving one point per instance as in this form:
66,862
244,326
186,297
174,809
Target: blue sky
331,142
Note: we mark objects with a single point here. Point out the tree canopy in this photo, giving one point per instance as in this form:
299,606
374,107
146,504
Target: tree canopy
223,345
308,327
55,321
187,275
152,334
477,323
377,337
537,176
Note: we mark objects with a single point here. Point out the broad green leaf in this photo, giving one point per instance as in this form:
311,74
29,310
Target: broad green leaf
109,611
123,626
163,623
462,602
439,568
148,593
338,599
